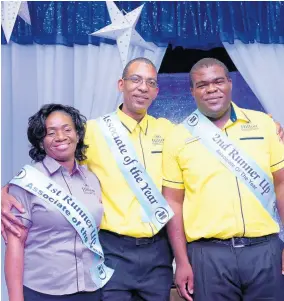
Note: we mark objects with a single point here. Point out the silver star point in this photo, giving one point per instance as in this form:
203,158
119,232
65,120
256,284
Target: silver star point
122,29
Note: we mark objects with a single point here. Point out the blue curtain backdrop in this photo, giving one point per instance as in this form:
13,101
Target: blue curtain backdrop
201,24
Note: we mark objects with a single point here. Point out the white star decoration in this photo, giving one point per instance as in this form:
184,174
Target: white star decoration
9,12
122,29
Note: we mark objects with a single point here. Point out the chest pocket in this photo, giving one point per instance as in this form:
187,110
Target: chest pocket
157,151
257,148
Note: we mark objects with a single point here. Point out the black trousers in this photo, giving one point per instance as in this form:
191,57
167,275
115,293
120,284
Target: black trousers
143,267
249,273
31,295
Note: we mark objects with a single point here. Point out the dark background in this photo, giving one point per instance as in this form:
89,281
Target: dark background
180,60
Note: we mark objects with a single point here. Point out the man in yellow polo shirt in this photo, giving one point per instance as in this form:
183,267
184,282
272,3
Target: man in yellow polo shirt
225,241
141,257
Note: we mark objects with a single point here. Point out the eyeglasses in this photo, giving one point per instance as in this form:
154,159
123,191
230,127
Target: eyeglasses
138,80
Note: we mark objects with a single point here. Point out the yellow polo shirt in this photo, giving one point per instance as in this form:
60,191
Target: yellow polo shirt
122,211
217,204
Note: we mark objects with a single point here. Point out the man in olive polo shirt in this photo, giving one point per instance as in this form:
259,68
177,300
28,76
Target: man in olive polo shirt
217,170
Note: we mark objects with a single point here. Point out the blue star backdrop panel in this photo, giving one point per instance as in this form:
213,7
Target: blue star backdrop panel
191,24
175,101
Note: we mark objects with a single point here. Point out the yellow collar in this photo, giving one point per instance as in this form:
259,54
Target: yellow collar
239,113
236,114
130,124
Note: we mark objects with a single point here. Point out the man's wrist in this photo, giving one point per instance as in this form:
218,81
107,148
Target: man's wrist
182,260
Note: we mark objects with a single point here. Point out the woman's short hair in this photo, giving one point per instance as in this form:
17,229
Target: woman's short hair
37,130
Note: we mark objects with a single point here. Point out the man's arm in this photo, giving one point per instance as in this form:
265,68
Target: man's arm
8,220
279,129
278,179
14,264
175,228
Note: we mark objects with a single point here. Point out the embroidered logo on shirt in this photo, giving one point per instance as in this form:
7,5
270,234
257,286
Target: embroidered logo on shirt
249,127
88,190
157,140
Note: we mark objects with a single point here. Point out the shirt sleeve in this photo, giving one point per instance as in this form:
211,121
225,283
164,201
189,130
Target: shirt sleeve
166,125
24,198
276,147
172,173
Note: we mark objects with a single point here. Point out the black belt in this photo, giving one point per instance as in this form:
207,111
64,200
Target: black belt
138,241
240,242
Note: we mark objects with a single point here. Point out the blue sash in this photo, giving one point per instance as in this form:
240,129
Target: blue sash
239,163
35,182
153,203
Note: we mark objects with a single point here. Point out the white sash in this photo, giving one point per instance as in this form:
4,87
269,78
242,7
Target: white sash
35,182
236,160
150,198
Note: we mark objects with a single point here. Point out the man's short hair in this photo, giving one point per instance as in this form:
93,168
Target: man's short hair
138,59
207,62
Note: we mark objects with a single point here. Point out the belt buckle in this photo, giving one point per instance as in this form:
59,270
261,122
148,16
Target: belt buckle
235,245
